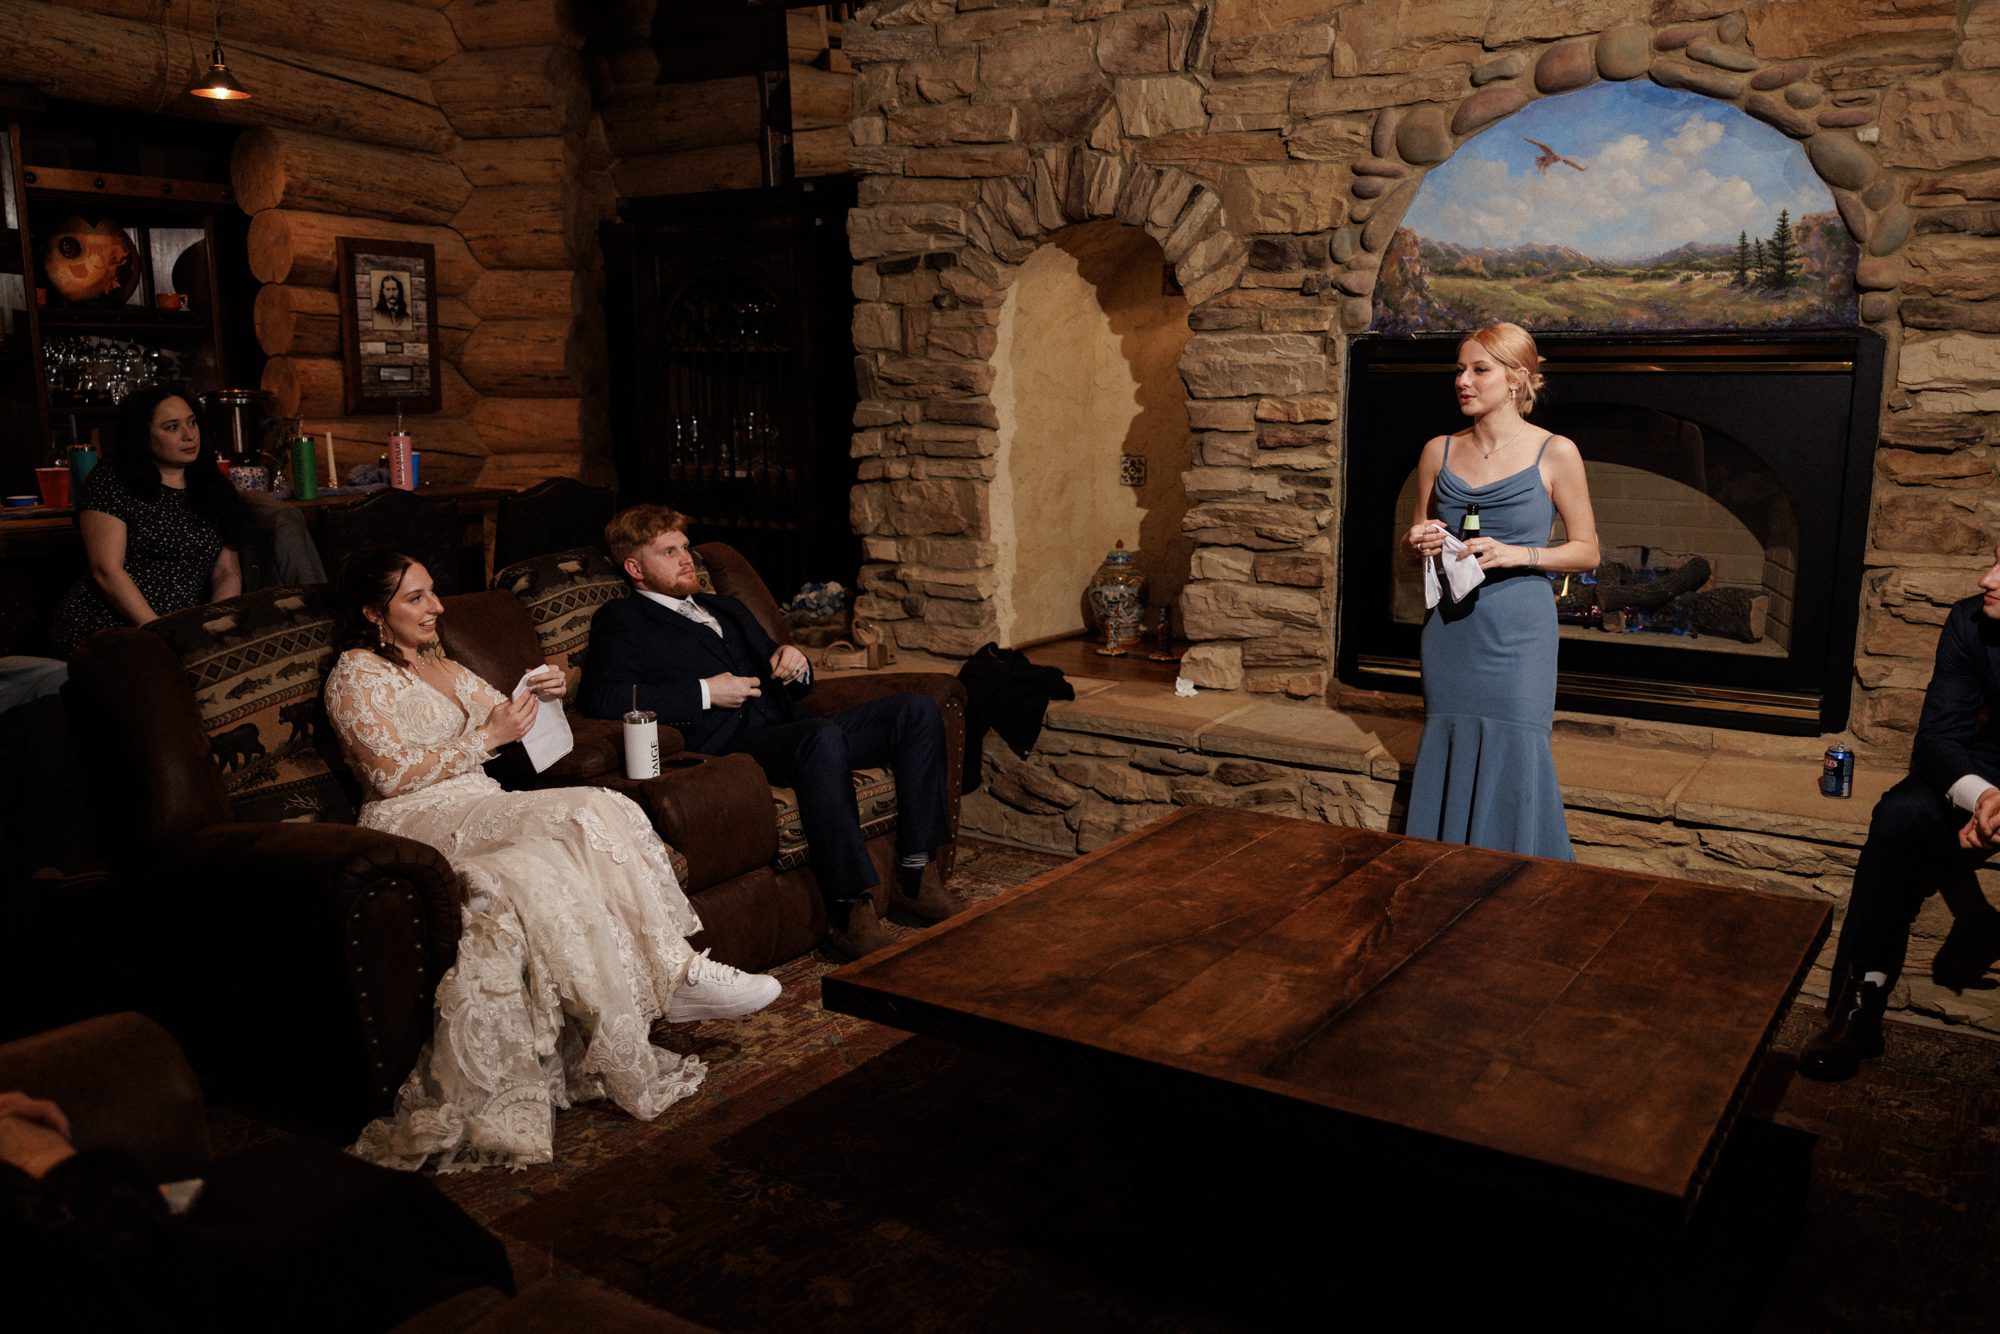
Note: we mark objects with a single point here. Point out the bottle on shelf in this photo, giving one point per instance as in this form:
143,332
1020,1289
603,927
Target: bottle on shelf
402,457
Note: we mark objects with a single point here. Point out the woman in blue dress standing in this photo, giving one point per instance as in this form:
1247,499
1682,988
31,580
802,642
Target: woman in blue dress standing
1485,775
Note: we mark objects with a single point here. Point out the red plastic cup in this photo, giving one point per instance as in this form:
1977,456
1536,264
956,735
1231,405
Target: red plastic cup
54,483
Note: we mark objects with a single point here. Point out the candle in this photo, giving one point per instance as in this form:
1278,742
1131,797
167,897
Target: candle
332,469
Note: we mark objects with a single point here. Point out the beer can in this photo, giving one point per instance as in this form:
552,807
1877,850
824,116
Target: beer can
1836,776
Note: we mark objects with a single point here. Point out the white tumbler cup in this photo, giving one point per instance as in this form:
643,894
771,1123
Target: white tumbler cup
642,744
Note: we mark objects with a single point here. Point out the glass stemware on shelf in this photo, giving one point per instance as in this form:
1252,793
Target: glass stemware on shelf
88,370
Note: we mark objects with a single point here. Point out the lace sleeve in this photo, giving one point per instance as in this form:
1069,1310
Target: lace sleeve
398,734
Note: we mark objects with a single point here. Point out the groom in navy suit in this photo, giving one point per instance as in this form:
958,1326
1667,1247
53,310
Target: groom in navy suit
1943,817
705,666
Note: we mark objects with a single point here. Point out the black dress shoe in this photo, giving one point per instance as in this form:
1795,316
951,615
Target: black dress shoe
1853,1033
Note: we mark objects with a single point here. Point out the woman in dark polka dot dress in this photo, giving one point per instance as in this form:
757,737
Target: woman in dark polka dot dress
159,523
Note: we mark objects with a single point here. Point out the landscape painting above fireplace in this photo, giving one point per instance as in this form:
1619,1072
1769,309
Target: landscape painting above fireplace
1626,207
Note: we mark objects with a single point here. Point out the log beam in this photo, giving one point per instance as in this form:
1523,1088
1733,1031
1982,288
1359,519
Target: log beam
679,117
729,167
494,25
519,94
527,425
522,226
288,169
821,98
519,471
515,294
456,321
293,321
519,358
542,161
304,386
297,247
115,62
374,32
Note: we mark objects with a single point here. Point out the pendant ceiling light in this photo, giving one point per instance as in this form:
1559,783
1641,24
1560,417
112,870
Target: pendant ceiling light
218,85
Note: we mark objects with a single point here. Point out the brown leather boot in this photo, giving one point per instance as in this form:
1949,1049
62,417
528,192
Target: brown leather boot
1853,1033
931,903
863,934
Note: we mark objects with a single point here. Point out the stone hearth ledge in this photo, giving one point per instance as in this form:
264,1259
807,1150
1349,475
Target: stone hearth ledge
1707,804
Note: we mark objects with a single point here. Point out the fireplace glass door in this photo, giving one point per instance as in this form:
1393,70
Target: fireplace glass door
1729,483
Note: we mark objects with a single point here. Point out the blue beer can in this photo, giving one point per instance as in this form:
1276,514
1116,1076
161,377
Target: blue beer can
1836,777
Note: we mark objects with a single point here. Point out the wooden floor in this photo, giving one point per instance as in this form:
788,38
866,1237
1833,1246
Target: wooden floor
1583,1032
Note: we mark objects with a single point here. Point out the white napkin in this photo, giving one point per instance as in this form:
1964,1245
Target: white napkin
1462,575
549,737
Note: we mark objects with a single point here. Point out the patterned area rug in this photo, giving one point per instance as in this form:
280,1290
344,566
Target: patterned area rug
833,1174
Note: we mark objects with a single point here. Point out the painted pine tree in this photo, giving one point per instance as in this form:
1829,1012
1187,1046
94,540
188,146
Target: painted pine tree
1782,255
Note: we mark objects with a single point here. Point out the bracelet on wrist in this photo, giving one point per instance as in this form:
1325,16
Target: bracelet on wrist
1534,558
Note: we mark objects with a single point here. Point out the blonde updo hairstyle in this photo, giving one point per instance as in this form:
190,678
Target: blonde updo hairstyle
1513,347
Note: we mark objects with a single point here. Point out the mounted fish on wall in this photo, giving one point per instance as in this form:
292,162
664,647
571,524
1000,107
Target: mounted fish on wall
1621,207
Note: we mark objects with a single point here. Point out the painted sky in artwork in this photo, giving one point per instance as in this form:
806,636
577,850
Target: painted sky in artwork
1664,168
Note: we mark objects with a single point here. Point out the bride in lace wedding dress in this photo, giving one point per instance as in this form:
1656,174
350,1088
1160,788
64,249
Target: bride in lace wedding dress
574,939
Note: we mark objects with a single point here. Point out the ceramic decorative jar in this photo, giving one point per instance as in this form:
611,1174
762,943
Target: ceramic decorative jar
1117,594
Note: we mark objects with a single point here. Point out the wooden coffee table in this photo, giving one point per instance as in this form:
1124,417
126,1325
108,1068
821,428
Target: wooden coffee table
1584,1033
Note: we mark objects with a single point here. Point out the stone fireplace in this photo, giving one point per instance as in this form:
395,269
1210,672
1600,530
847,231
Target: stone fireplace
1752,457
1269,148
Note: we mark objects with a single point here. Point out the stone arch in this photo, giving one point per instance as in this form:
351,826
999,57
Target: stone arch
1705,58
1093,429
928,429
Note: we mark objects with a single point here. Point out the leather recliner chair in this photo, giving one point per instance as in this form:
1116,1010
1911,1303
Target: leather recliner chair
294,954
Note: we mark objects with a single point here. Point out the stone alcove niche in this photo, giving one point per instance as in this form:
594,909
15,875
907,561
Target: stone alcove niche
1086,379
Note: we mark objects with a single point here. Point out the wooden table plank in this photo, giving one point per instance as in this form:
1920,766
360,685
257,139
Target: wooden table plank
1597,1026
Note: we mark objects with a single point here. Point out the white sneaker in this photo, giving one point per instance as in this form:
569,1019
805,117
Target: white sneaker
717,991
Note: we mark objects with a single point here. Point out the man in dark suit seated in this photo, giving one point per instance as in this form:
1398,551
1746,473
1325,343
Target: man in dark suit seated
1943,817
705,666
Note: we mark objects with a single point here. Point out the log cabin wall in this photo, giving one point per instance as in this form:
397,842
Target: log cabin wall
463,124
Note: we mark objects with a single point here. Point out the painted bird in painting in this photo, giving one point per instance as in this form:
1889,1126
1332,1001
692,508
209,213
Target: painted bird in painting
1548,157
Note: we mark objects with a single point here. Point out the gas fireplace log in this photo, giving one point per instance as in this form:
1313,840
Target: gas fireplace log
1616,589
491,25
288,246
308,386
523,227
526,425
516,94
288,169
1736,613
519,358
523,294
116,62
375,32
297,321
679,117
547,160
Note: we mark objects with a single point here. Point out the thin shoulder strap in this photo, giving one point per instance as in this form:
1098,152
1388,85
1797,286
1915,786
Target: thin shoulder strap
1543,450
1447,450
